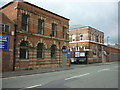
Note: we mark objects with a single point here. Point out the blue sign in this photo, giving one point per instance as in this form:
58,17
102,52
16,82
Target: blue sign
64,51
4,42
68,55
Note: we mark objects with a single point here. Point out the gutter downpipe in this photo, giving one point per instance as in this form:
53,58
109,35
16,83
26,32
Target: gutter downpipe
14,51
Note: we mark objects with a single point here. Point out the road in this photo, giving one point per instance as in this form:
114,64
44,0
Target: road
101,76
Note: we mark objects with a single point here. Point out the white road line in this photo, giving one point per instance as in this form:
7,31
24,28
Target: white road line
34,86
77,76
104,70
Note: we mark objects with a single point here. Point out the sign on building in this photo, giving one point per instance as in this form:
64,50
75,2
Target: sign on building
68,55
64,51
82,54
4,42
77,54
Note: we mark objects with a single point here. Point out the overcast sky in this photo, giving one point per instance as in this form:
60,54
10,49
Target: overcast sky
99,14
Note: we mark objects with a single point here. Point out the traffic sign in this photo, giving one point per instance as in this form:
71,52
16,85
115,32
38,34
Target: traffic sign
68,55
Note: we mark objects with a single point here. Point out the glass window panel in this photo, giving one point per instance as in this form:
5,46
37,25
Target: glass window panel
6,28
24,22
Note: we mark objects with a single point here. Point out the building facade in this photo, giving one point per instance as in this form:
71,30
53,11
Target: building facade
7,27
86,44
40,36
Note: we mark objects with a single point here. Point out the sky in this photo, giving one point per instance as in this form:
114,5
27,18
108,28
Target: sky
99,14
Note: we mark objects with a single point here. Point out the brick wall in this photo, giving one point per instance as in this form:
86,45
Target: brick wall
92,40
112,53
33,38
7,56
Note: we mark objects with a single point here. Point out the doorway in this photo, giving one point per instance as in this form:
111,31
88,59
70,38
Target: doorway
64,56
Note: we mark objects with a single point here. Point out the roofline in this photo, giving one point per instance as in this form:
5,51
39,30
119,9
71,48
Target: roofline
95,29
6,5
79,27
36,7
8,18
85,27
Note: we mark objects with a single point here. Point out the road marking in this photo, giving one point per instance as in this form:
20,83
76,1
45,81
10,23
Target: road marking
77,76
104,70
34,86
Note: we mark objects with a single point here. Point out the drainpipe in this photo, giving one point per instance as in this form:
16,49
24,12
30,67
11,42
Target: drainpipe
59,54
14,50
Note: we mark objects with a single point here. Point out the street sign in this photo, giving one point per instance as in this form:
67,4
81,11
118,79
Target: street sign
68,55
4,42
64,51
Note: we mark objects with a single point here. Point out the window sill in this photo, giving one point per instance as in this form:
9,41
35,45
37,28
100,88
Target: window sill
40,58
53,58
24,59
7,33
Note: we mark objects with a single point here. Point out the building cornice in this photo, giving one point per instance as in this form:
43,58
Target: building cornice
40,35
88,41
35,7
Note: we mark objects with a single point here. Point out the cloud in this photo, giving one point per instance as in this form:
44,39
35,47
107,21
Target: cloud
99,14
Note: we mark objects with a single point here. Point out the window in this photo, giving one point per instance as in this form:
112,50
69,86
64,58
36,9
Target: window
24,22
5,27
54,29
81,36
24,50
64,29
53,51
40,26
94,52
94,38
73,37
40,50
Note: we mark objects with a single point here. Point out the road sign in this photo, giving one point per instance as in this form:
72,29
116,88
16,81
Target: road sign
4,42
68,55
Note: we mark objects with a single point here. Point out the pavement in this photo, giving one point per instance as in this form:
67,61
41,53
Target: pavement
40,71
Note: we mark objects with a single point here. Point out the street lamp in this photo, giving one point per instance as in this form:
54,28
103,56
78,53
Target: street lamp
108,40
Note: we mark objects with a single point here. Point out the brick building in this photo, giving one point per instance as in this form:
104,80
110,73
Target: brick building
40,39
7,27
86,44
112,53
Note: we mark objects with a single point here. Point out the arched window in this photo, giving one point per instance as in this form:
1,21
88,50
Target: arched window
24,50
40,50
81,36
73,37
53,51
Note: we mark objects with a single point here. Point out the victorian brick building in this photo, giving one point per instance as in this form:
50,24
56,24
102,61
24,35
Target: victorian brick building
86,44
39,38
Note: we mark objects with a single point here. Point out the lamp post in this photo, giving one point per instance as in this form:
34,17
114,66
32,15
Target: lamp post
108,40
77,39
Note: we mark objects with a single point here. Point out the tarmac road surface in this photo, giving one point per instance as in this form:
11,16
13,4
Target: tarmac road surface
98,76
